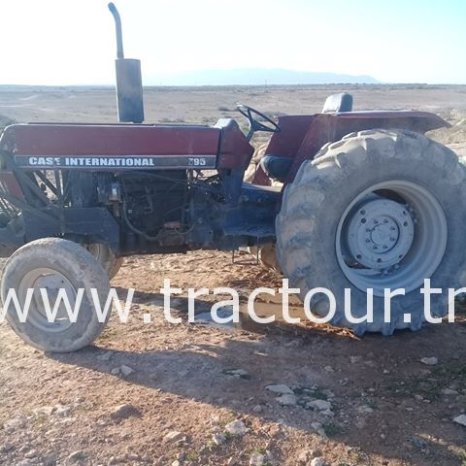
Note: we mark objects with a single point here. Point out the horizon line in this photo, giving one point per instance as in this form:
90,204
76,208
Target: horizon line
331,84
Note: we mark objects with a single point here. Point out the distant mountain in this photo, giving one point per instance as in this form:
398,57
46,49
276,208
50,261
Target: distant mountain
254,77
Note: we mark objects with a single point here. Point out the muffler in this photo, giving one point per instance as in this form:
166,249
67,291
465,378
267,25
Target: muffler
129,90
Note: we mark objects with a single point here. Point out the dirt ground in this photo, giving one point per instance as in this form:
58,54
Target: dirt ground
162,394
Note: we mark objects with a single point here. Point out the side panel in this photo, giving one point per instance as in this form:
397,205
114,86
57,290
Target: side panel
286,143
289,139
235,151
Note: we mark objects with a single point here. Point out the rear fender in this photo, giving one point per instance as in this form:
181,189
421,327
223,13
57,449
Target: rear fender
333,127
301,137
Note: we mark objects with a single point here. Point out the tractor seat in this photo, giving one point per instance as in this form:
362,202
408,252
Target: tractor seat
337,103
277,167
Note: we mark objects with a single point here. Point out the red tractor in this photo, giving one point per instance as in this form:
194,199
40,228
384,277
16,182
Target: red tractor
368,202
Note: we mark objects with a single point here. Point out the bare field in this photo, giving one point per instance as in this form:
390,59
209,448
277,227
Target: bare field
206,105
188,383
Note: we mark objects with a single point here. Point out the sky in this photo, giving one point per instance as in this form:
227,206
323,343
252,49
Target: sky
69,42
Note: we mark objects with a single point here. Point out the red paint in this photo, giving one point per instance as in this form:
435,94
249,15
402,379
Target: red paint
235,151
9,184
303,136
114,140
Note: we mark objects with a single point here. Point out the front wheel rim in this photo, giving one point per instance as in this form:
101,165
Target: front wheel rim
51,281
392,235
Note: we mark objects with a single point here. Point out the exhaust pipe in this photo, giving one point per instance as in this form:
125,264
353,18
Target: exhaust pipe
128,79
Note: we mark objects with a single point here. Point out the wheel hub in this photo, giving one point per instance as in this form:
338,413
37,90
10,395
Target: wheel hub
52,282
380,233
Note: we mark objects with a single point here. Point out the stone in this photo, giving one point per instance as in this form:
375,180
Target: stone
106,356
319,428
364,409
14,424
257,459
280,388
305,456
461,420
124,412
319,461
76,456
218,439
287,400
44,411
257,409
237,373
449,392
6,448
236,428
31,454
319,405
430,361
355,359
62,411
126,370
419,443
174,436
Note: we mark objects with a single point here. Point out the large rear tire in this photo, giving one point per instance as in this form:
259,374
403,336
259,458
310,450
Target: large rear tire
377,210
55,264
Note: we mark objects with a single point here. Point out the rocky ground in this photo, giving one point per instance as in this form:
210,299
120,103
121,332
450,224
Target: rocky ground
200,395
186,395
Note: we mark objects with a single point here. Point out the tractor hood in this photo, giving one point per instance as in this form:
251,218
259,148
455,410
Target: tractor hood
94,146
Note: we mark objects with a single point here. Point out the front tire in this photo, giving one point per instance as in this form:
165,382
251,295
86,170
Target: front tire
377,210
53,264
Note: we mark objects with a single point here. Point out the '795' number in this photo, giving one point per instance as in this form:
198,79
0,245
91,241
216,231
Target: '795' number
197,162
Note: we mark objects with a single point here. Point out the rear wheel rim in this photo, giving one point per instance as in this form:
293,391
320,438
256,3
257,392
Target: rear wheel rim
392,235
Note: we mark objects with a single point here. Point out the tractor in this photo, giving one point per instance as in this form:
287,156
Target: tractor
361,201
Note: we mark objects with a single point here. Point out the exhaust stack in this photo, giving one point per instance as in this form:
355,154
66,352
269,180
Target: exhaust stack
128,79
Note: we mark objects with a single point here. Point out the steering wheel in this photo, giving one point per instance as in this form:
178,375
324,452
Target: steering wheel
253,117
